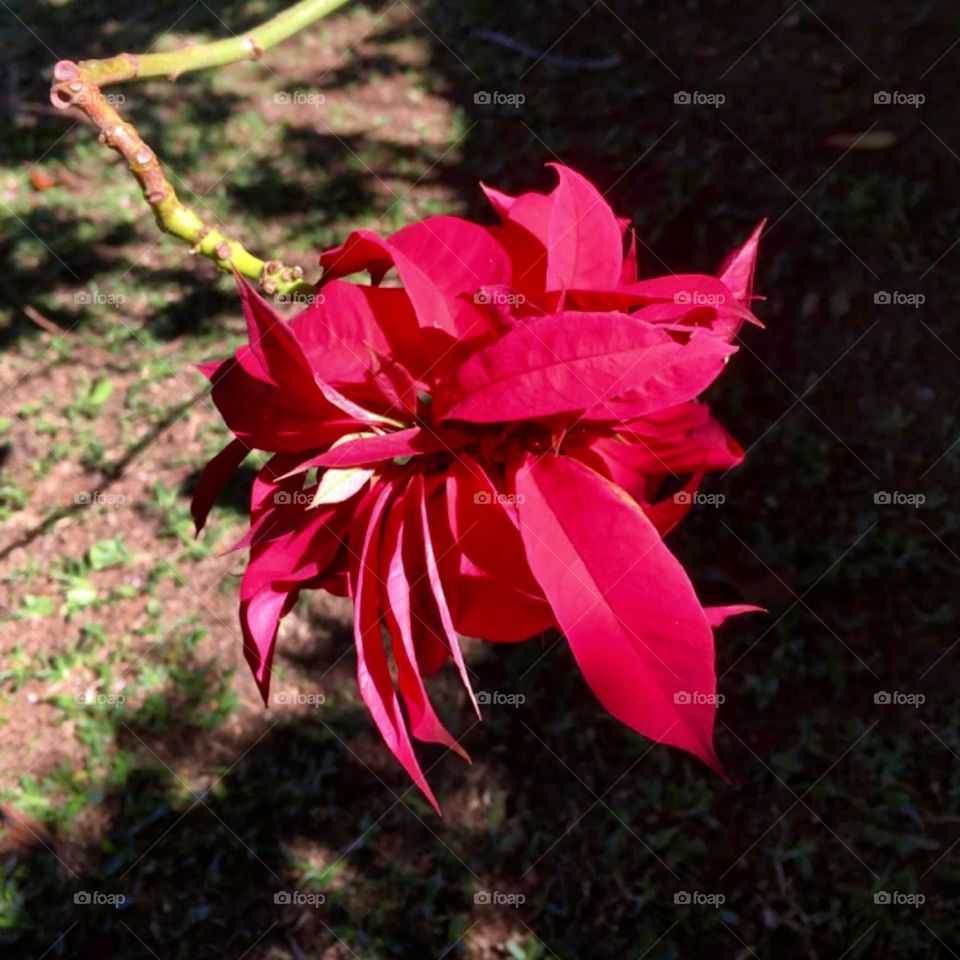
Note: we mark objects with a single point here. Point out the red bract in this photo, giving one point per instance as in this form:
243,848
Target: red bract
478,443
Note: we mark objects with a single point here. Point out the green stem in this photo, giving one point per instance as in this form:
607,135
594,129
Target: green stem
218,53
79,84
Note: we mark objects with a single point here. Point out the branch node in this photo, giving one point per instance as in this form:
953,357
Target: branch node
223,251
256,51
66,70
134,61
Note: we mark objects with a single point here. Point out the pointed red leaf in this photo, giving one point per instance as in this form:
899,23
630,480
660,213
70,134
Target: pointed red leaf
666,514
584,244
579,237
364,250
570,362
394,382
459,255
738,268
623,601
275,346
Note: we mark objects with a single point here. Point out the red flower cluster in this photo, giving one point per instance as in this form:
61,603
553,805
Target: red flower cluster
478,443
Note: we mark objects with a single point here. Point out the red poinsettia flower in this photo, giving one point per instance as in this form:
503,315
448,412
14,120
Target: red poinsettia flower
483,441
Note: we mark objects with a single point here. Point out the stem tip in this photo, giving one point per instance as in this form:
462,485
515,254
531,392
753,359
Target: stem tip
66,70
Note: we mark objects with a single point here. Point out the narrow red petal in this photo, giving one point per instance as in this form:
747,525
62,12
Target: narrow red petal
717,616
738,269
366,451
417,493
424,722
373,671
213,479
259,620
